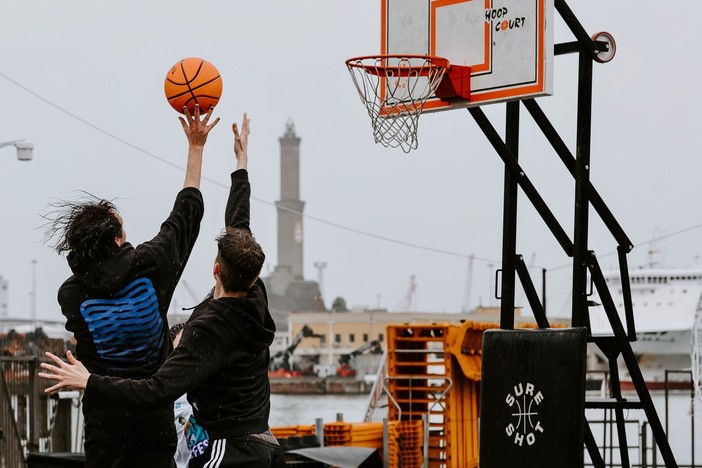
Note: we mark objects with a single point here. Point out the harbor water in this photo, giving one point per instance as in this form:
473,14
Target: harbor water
289,410
684,419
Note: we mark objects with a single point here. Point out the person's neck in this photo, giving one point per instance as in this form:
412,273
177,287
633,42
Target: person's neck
219,292
233,294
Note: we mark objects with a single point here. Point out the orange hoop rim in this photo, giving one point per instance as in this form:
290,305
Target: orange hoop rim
432,63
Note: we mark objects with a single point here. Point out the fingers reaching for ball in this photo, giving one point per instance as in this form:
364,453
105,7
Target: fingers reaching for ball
196,127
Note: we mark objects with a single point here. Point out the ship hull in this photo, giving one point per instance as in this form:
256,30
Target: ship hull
666,304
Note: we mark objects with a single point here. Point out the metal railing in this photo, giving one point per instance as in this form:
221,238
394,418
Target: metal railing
11,449
30,420
642,450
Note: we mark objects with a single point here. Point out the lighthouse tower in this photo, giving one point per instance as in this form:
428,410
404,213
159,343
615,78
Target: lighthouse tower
288,290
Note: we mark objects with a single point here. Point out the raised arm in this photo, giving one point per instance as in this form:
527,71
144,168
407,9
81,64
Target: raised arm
241,143
237,212
197,356
196,130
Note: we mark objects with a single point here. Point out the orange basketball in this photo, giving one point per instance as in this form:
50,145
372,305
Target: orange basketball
193,81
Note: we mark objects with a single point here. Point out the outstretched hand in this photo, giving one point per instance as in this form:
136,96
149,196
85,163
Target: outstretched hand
196,128
71,375
241,143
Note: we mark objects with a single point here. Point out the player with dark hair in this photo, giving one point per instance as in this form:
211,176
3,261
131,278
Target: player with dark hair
223,355
116,302
239,258
89,229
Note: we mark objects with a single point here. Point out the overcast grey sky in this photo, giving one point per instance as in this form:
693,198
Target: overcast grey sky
83,81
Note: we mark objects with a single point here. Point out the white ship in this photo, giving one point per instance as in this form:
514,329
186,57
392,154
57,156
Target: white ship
667,309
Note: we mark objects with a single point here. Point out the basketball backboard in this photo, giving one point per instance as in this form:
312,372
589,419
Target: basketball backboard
508,44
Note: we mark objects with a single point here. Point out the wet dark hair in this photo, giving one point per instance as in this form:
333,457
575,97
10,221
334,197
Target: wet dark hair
240,259
86,228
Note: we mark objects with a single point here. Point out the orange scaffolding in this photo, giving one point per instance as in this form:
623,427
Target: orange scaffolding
433,389
434,375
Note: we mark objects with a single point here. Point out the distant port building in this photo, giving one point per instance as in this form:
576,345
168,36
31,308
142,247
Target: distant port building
340,333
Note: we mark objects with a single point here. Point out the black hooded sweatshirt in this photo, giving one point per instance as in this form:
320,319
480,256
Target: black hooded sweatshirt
116,307
222,358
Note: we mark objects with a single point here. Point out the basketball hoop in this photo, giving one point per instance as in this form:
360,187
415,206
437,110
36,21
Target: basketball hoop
394,89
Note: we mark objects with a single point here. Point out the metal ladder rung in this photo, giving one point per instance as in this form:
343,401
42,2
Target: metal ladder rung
406,412
417,363
610,403
419,389
418,339
419,400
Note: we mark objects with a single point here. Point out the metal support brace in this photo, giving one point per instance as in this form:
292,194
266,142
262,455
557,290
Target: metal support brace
529,190
632,365
568,160
509,220
580,317
530,291
626,293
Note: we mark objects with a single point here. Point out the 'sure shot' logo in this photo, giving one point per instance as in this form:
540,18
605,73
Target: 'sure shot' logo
524,401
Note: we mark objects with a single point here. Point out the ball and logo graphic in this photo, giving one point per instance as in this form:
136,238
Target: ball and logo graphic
525,401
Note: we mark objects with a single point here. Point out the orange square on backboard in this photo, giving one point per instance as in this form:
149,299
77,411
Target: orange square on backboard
507,43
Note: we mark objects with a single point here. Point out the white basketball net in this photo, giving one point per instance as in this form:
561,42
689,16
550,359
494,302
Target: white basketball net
394,90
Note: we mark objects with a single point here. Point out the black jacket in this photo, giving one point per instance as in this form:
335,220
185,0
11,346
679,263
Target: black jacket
221,361
116,307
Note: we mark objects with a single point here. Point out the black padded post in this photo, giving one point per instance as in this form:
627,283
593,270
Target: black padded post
532,398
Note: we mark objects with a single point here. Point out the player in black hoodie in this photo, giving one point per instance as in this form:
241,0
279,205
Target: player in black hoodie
115,304
223,356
